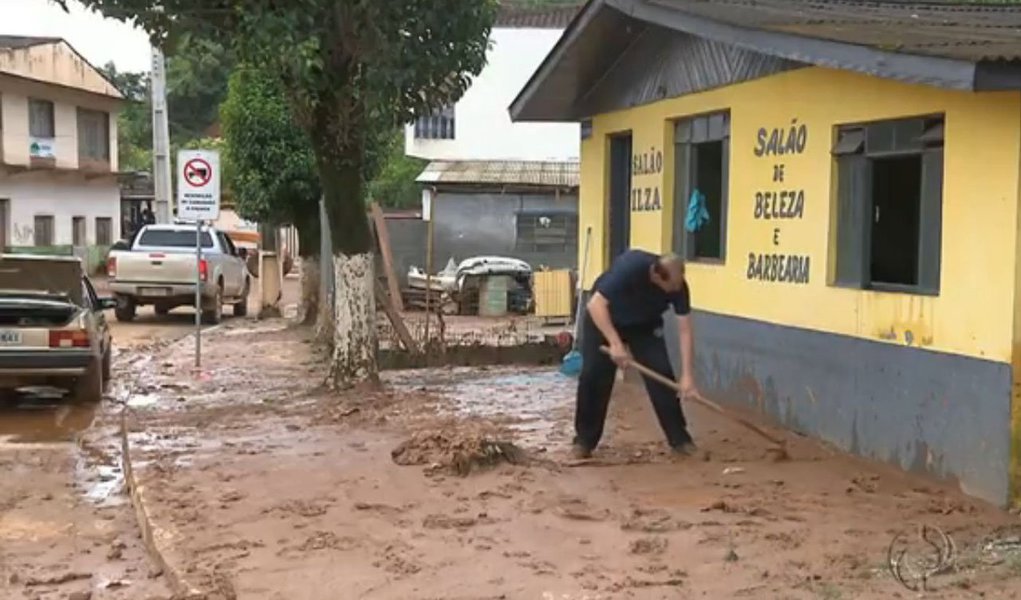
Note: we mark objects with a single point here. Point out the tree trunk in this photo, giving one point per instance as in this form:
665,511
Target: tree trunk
308,244
354,305
354,313
308,309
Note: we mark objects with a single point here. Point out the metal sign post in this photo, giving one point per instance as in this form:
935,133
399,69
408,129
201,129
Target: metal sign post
198,294
198,198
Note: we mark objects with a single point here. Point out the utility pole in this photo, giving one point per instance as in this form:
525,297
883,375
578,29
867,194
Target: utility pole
160,138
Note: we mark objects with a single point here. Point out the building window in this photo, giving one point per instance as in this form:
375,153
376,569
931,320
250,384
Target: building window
890,205
43,230
546,231
78,231
702,171
437,126
93,135
104,231
40,119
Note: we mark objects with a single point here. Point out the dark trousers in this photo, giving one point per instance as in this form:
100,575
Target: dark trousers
598,373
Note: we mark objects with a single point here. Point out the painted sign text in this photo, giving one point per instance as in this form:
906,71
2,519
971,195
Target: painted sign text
645,194
646,199
779,205
780,141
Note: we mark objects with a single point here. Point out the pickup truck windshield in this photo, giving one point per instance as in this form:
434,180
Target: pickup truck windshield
173,238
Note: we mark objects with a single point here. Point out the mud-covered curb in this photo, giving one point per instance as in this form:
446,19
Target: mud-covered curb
179,587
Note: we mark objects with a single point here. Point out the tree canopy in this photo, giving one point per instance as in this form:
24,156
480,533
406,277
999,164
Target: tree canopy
274,177
197,73
351,70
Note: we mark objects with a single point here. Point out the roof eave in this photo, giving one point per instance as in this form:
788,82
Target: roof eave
567,39
909,68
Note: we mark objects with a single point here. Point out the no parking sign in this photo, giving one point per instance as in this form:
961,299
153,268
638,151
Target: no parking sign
198,185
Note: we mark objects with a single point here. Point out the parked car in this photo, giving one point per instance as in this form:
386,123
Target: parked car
53,332
159,269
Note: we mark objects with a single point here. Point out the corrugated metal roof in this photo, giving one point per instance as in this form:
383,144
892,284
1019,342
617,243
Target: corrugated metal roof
556,15
958,30
501,172
14,42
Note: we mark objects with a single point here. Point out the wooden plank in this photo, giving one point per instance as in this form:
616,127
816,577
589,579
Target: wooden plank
400,327
383,239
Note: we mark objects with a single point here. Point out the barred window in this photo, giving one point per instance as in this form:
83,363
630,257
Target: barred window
437,126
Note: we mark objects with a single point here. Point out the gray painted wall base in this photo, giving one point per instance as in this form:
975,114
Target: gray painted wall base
924,411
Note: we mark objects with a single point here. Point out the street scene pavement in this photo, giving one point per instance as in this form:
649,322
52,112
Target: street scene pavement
248,479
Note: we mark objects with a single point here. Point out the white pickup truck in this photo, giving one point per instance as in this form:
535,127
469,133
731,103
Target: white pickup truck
157,267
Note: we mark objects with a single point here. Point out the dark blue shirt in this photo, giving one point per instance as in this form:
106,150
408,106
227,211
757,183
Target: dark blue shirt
635,301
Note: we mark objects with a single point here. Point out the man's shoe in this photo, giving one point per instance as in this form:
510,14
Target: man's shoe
580,452
685,449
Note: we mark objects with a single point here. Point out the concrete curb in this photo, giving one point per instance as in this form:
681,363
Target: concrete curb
179,587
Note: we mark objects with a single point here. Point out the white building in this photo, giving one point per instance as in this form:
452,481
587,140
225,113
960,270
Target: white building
58,157
478,127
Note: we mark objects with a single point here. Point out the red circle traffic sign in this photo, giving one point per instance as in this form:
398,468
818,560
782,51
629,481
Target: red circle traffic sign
197,172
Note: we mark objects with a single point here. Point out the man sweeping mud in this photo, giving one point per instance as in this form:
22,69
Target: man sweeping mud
625,315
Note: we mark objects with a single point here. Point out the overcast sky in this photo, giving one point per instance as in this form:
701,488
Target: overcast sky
99,40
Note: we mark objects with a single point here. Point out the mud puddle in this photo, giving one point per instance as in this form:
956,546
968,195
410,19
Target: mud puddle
42,416
528,401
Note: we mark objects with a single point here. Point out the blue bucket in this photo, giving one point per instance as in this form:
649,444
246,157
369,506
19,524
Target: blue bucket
572,364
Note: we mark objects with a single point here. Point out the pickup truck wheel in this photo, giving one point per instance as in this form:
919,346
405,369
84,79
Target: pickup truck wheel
241,308
125,309
214,314
88,389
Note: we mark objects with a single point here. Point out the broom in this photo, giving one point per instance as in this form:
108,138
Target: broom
571,365
779,449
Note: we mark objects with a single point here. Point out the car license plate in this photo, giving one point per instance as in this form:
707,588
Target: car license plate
154,291
10,338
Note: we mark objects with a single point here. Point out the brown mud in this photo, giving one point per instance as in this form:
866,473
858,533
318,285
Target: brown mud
265,486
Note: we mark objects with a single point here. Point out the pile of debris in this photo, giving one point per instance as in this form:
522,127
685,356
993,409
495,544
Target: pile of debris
457,452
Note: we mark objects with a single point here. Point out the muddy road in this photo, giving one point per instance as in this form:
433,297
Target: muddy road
249,480
67,530
254,482
67,526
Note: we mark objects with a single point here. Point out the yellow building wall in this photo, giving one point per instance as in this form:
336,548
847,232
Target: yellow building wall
974,312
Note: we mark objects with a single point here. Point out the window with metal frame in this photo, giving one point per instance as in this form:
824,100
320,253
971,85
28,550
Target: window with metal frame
41,123
546,231
701,176
78,232
93,134
104,231
42,232
889,205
